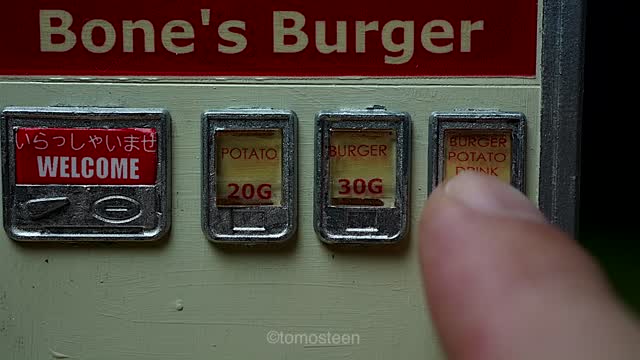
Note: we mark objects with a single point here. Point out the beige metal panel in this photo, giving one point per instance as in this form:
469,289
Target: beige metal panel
186,298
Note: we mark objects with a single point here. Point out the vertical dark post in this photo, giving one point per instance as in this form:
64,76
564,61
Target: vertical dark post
562,89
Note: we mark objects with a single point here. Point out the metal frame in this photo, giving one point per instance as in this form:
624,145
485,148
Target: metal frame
82,223
562,87
478,120
379,225
269,224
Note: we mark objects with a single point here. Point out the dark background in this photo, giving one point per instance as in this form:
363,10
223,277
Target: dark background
609,225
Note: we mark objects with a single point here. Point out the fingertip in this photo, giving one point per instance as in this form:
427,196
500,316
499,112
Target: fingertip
488,257
460,201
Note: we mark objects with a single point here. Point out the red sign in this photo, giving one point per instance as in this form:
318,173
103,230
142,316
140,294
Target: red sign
74,156
269,38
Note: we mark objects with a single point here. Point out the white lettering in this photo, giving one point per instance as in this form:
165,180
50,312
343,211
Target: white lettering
87,168
429,34
64,166
406,46
47,166
109,36
48,31
128,31
118,168
466,29
74,167
133,169
280,32
341,38
290,35
178,30
102,168
225,33
361,34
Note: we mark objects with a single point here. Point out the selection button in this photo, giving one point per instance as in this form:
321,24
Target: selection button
485,152
487,142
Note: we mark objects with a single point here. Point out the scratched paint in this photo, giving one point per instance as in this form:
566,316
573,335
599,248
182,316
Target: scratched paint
96,302
57,355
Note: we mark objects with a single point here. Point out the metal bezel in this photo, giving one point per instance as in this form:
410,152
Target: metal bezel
281,221
440,122
560,129
379,225
152,225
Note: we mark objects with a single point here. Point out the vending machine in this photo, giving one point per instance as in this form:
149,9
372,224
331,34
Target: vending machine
238,180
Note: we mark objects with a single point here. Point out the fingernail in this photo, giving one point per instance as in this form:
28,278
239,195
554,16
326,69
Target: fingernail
489,195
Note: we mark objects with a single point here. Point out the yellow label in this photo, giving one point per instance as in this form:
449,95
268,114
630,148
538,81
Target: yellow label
249,168
362,167
484,151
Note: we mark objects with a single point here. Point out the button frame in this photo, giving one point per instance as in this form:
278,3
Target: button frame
77,222
335,224
489,120
280,222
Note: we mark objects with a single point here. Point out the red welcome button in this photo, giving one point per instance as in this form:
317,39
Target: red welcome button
79,156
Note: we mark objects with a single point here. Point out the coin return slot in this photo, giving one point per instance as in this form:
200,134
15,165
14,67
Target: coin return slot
249,221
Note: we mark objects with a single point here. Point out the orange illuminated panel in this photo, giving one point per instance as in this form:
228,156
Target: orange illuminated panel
484,151
249,168
362,167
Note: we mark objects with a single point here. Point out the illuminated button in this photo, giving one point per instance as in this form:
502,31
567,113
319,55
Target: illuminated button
249,167
490,143
249,192
362,176
486,152
86,174
363,167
